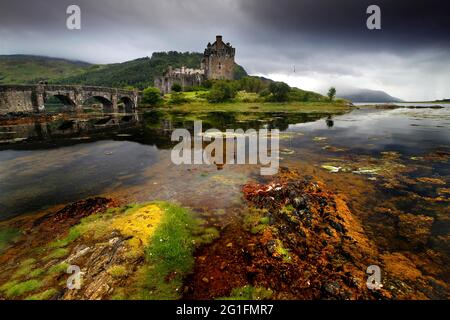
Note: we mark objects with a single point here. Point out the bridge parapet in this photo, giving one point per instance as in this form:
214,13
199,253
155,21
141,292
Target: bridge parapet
32,98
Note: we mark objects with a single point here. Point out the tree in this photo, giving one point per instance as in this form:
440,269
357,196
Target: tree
251,84
221,91
280,91
151,96
176,87
331,93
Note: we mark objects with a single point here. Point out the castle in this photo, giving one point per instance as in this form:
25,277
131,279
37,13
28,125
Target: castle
217,64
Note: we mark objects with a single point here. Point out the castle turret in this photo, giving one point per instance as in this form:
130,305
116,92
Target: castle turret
218,60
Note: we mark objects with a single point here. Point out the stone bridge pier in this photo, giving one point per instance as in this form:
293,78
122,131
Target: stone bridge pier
33,98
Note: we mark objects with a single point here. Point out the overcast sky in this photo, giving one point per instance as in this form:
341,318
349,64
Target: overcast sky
326,41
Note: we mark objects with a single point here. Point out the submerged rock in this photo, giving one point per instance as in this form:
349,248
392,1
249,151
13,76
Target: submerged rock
415,228
312,230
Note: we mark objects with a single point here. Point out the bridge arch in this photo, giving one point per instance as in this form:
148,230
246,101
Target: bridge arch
127,104
65,100
107,104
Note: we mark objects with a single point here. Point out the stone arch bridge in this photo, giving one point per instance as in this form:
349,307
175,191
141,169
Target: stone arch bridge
32,98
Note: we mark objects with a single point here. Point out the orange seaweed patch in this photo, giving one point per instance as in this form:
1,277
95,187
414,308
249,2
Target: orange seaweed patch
400,266
311,248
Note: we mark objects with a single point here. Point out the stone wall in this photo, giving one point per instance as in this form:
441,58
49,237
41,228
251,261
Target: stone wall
17,98
14,100
184,77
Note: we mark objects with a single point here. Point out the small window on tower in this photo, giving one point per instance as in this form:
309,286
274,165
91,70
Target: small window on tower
220,66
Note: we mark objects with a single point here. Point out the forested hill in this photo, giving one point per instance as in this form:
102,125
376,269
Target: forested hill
138,73
24,69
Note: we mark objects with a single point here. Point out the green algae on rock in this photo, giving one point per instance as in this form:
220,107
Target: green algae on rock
141,251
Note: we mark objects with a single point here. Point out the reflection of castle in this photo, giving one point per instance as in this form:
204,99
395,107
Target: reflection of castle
217,63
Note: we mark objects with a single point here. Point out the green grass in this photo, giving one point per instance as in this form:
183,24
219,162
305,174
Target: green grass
249,293
304,107
170,253
8,236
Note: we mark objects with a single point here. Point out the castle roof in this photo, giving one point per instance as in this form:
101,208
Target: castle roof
219,46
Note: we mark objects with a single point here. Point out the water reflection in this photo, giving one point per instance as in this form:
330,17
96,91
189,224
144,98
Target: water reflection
393,165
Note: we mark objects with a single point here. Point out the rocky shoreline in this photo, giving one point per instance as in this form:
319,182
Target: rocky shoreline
296,240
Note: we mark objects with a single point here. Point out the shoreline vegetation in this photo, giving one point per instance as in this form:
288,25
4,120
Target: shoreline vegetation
136,251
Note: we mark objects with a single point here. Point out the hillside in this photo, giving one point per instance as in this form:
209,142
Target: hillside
24,69
138,73
367,95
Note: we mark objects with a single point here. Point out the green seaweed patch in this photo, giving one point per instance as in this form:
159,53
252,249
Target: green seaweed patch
280,252
36,272
15,289
45,295
249,293
117,271
58,268
96,225
256,220
207,235
8,236
58,253
283,252
25,268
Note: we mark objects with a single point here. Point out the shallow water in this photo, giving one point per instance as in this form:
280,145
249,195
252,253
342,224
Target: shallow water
384,160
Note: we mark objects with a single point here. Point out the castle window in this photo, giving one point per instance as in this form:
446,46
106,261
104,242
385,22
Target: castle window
220,65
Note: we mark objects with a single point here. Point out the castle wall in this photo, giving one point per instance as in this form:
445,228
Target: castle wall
165,83
220,68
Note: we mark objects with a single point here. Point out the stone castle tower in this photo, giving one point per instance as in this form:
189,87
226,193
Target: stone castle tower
217,64
218,60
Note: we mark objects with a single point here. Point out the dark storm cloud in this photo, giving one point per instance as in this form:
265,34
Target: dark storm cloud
326,40
404,23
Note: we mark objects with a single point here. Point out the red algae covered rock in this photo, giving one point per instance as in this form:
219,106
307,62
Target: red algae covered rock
298,239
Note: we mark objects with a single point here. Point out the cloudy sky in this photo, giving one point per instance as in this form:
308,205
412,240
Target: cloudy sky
325,41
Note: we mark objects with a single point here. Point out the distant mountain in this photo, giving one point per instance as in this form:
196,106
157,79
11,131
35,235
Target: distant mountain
139,73
442,100
24,69
366,95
